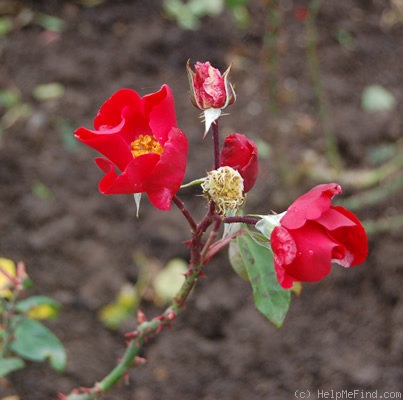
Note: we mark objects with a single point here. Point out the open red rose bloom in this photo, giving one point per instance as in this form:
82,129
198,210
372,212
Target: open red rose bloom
140,138
240,153
313,234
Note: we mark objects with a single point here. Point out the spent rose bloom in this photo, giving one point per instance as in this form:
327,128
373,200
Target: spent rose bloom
210,91
312,234
139,137
225,187
241,154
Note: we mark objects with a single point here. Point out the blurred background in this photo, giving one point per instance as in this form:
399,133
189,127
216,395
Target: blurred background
318,88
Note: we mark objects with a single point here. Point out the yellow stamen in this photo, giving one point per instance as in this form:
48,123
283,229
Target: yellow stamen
145,144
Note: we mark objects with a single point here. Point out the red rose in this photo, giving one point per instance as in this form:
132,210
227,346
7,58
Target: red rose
139,137
240,153
210,89
313,234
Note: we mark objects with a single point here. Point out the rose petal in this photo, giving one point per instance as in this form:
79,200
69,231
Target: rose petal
159,108
131,180
333,219
110,113
125,105
311,205
283,245
313,253
241,153
109,143
168,173
354,238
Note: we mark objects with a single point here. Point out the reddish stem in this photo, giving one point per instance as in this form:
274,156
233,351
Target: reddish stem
241,219
216,142
182,207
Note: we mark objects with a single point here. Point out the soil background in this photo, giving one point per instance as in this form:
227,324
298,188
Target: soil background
343,333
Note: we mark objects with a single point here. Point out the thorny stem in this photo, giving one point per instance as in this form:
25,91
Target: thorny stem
181,205
196,243
146,329
137,339
210,239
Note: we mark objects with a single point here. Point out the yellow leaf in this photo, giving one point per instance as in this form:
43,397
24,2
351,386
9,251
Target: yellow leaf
114,314
170,279
127,297
7,269
43,311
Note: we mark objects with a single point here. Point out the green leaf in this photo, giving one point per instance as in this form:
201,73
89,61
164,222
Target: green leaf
50,22
48,91
35,301
236,261
206,7
270,298
8,365
9,97
189,13
36,342
6,25
41,191
377,98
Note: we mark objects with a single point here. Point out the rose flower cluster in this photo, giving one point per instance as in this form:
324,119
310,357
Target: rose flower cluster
145,152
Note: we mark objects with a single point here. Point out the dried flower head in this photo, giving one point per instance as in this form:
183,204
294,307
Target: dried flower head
224,186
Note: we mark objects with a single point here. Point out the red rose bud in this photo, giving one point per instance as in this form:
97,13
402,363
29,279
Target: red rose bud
209,89
139,137
240,153
312,234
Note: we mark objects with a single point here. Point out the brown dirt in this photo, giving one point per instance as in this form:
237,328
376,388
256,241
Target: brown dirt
344,333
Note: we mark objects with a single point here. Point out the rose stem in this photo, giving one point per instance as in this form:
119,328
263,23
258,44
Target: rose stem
216,141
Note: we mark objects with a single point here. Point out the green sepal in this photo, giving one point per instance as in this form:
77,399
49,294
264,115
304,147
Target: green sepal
137,199
267,224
